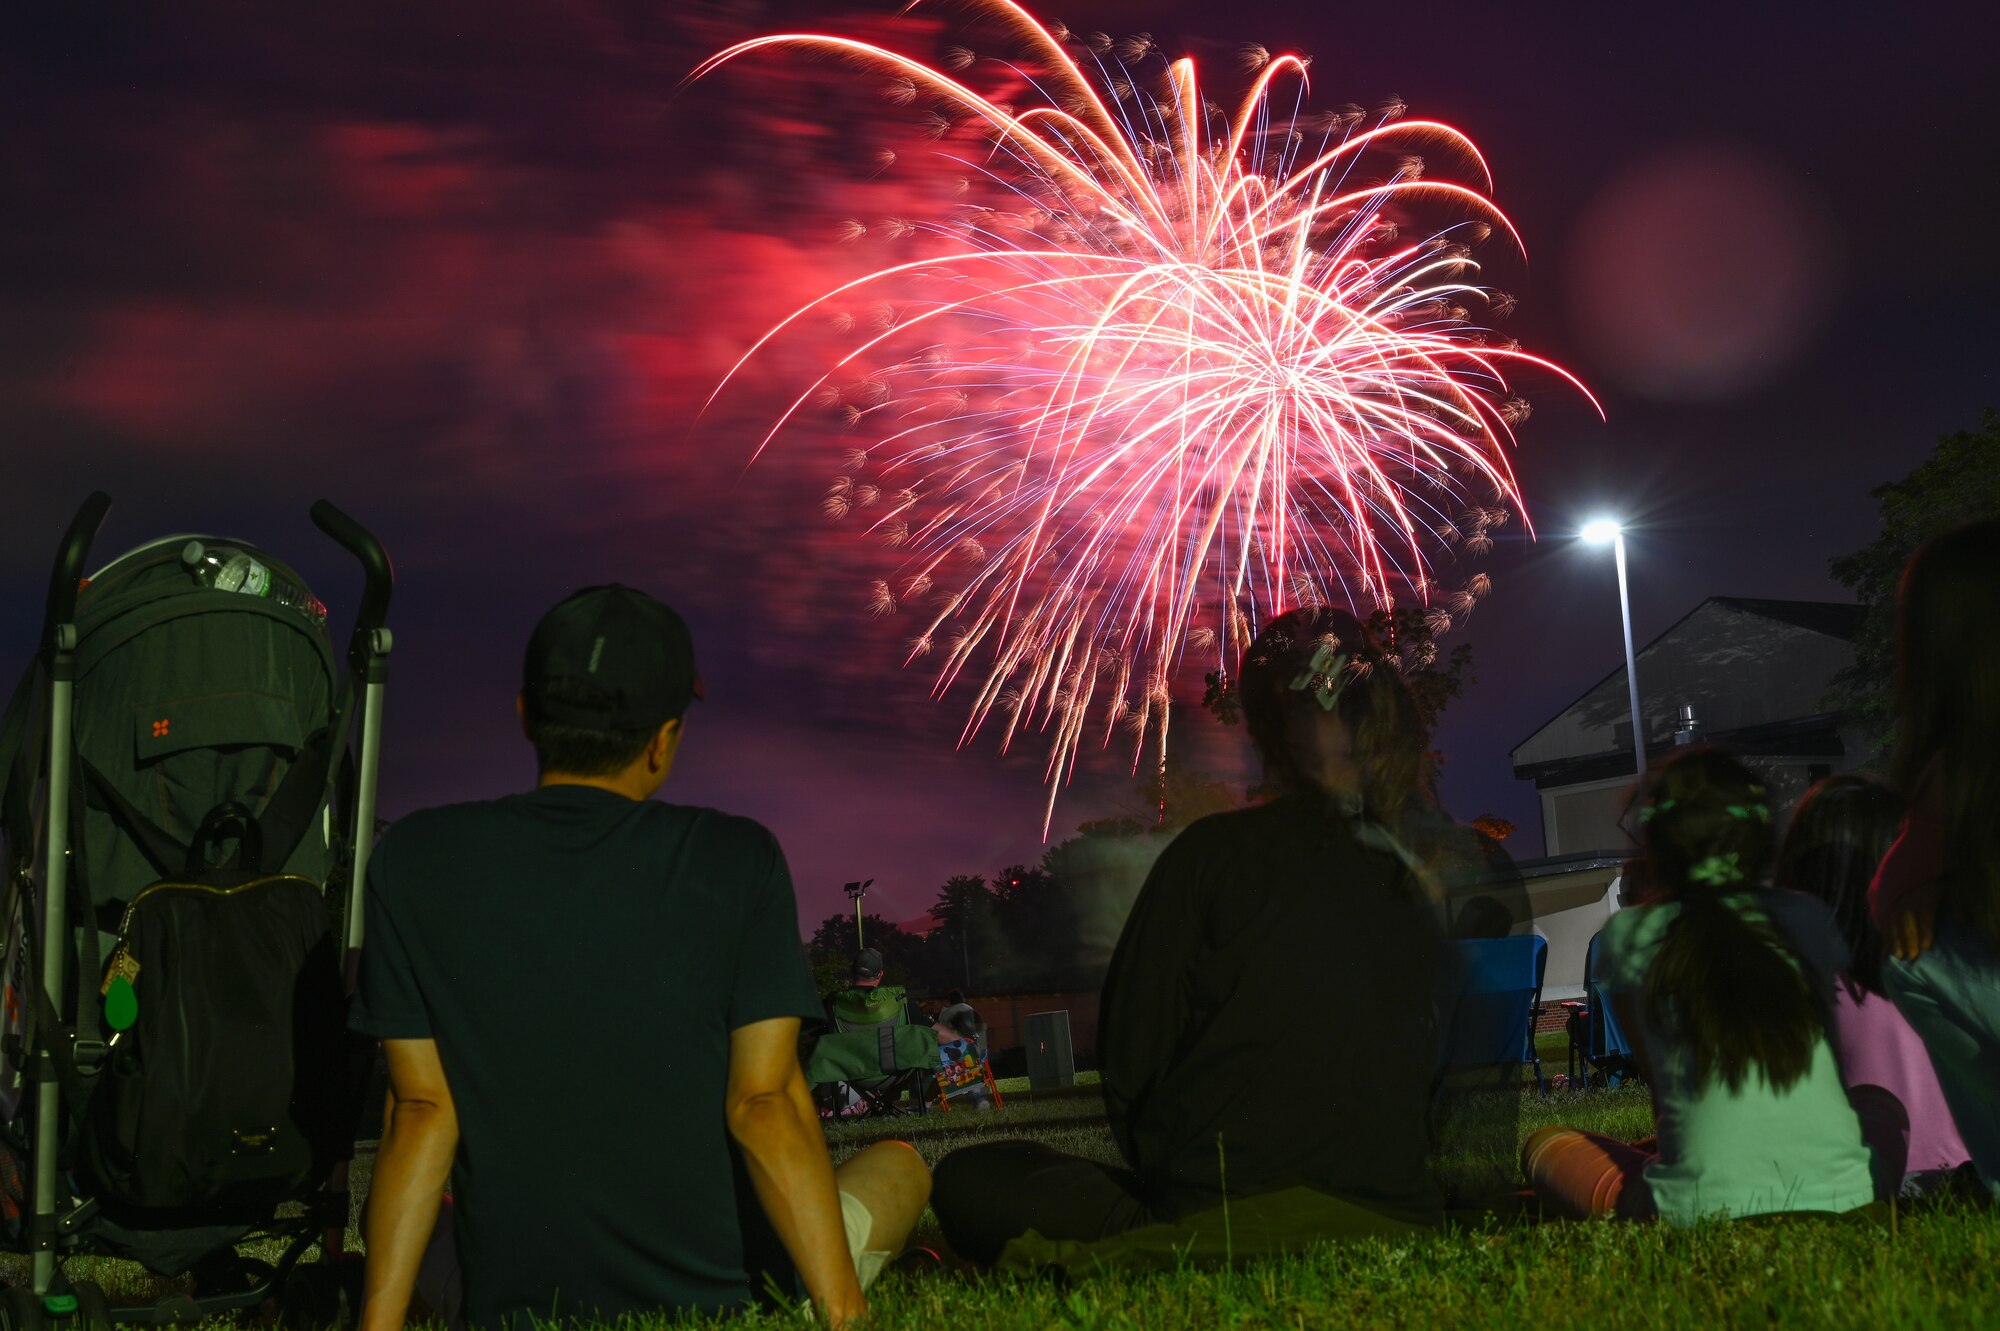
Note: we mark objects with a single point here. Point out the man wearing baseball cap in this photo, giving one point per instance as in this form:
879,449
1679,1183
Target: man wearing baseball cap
590,1003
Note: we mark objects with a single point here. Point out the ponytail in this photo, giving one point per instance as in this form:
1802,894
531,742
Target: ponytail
1727,988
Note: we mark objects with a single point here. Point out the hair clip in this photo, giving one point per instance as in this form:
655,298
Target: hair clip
1717,870
1758,811
1324,676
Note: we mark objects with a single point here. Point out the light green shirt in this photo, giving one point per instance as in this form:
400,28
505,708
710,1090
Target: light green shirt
1755,1150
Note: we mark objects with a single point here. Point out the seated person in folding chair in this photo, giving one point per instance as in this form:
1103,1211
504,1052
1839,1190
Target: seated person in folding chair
590,1003
954,1014
1320,900
963,1069
875,1052
866,1000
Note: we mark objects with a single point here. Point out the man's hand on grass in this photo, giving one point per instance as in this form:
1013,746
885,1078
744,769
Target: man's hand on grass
771,1116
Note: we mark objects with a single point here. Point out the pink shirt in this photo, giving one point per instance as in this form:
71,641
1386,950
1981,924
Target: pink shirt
1878,1048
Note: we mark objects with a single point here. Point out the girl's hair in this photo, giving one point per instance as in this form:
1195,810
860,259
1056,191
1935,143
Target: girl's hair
1373,701
1838,836
1724,986
1948,710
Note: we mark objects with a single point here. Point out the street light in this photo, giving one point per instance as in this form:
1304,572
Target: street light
1597,532
856,891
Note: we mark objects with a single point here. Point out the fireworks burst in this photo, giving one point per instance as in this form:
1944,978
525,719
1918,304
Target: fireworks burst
1171,369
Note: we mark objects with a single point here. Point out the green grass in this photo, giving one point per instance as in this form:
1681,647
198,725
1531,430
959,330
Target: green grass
1935,1270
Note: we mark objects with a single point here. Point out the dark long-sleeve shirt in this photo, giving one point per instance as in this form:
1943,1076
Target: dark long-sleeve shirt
1273,990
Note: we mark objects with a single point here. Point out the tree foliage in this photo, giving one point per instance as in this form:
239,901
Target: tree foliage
1020,931
1957,484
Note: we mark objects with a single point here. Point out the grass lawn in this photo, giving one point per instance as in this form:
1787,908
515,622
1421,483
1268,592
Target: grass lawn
1940,1267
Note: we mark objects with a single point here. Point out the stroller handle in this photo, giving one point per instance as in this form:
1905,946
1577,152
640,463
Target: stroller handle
69,563
358,541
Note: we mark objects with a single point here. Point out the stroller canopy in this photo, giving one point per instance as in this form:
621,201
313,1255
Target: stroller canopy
188,698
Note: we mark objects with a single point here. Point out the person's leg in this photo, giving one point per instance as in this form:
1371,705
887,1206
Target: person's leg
1885,1130
883,1189
989,1194
1583,1176
1951,997
440,1281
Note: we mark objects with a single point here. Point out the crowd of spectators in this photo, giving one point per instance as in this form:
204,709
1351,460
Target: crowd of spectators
591,1000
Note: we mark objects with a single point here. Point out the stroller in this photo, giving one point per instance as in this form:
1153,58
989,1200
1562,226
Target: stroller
185,828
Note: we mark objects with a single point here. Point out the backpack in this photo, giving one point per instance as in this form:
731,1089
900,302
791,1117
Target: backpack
225,1092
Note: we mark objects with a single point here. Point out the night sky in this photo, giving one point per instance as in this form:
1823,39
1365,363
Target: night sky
469,270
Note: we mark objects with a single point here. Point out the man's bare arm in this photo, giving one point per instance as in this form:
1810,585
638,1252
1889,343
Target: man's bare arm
772,1118
419,1138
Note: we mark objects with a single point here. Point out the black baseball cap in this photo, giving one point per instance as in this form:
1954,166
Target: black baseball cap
868,964
635,653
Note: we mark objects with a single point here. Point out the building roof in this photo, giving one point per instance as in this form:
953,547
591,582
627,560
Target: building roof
1832,619
1836,619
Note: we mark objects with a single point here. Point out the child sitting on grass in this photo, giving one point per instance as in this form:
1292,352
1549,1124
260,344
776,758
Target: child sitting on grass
1838,835
1725,990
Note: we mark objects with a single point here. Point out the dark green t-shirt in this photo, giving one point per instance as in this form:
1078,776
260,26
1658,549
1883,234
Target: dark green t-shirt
580,959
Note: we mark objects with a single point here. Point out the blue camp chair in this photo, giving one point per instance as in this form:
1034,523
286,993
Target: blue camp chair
1598,1052
1499,996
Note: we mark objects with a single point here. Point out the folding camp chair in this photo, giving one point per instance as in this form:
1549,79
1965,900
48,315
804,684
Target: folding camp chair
1598,1052
1499,997
874,1051
963,1068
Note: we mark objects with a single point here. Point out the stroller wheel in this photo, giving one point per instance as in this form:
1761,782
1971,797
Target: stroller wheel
93,1309
20,1310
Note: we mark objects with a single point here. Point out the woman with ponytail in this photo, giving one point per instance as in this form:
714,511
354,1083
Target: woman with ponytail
1936,898
1726,989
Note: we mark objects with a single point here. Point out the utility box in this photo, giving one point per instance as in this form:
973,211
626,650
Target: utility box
1051,1057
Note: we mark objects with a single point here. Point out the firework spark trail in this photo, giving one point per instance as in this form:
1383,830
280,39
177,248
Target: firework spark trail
1180,372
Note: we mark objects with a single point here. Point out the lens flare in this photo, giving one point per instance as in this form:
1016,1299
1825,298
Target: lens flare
1152,370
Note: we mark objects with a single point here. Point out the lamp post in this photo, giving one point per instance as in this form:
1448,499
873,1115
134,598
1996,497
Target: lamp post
856,891
1597,532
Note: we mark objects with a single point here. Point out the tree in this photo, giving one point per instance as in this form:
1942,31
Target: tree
1957,484
1183,794
1098,873
1032,918
1409,633
962,944
830,951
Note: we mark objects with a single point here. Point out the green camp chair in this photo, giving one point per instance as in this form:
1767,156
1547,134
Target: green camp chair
873,1049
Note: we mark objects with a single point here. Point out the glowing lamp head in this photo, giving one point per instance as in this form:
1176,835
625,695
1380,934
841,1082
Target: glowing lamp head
1600,531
